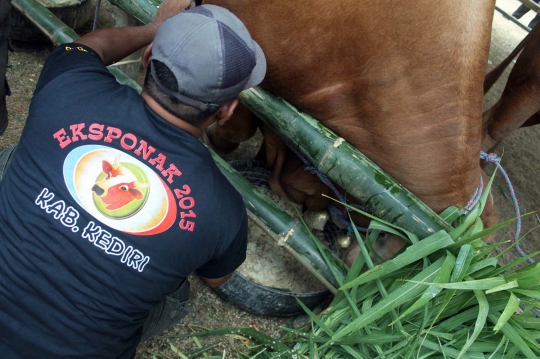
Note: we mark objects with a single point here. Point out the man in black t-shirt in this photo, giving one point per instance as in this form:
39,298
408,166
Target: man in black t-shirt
110,200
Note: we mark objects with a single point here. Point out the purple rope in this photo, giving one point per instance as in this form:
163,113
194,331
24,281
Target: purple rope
475,197
493,158
96,15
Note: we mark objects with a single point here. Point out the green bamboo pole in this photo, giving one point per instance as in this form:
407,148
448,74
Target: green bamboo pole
287,231
60,33
344,164
142,10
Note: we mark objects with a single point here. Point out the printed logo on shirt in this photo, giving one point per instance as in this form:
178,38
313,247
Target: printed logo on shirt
119,190
125,207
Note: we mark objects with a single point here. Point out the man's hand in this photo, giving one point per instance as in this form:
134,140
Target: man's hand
169,8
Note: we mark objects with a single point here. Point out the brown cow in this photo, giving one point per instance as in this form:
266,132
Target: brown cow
401,81
519,105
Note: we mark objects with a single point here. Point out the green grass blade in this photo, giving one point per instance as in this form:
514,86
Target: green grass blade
513,264
535,294
515,243
176,351
432,292
484,263
469,220
508,312
314,318
411,236
510,332
401,295
506,286
380,284
475,212
479,284
413,253
447,352
503,341
483,310
527,322
463,261
451,214
481,234
527,277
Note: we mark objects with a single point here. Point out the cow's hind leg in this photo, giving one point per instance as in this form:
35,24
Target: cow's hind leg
517,108
520,101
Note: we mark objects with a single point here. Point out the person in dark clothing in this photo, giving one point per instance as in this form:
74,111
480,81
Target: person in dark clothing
5,7
110,200
522,10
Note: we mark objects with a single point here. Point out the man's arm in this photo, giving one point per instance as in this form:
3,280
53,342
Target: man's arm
219,269
116,43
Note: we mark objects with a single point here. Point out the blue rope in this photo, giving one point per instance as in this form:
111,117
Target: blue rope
96,15
493,158
475,197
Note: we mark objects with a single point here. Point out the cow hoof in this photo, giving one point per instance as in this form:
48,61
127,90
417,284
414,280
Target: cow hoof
316,219
345,241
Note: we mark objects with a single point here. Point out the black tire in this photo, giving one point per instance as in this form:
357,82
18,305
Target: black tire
255,172
73,16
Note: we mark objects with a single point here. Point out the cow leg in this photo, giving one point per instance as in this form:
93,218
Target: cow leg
385,247
302,186
520,100
517,108
534,120
224,139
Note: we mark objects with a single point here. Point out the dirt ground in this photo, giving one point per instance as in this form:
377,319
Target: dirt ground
210,312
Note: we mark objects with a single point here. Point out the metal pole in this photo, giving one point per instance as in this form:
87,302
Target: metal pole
511,18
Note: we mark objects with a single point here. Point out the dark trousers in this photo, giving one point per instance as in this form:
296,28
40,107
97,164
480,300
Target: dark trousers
172,308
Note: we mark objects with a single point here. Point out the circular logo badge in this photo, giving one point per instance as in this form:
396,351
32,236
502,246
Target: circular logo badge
119,190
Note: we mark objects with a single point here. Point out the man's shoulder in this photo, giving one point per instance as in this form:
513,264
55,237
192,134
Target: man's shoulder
68,58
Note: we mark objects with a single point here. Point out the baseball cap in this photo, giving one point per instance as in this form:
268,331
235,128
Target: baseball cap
211,54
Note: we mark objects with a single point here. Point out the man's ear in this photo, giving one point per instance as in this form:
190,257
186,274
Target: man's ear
147,56
225,111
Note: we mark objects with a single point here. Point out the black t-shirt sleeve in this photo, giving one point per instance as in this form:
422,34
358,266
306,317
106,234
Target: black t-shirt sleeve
69,57
229,259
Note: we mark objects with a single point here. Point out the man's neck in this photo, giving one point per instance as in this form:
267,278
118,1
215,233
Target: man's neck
169,117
